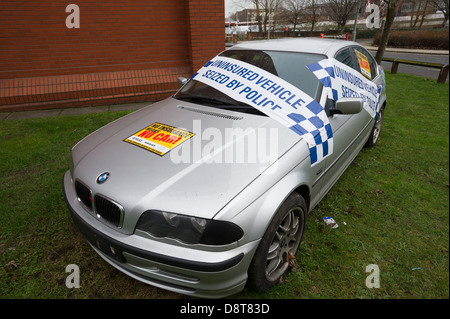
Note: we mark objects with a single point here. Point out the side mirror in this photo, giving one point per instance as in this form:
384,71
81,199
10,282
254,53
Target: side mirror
181,81
349,105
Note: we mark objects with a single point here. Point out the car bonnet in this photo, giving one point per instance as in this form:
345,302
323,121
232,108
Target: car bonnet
197,177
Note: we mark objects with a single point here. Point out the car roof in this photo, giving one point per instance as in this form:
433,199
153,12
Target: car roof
326,47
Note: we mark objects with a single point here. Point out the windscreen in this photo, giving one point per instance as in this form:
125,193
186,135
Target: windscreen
290,66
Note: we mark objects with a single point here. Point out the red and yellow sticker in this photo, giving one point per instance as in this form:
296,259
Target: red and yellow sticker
159,138
364,64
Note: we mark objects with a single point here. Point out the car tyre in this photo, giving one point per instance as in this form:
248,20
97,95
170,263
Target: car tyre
376,129
279,245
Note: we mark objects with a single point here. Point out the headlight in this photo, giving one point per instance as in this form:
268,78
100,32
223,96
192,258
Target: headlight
188,229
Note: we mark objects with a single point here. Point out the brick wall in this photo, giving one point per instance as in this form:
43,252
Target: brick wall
123,51
206,25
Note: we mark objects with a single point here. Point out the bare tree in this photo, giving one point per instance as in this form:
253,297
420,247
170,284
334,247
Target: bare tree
301,11
294,11
263,8
391,12
442,5
420,8
313,11
271,9
310,11
258,14
340,11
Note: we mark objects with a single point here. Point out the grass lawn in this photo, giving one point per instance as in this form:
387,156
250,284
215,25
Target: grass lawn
392,207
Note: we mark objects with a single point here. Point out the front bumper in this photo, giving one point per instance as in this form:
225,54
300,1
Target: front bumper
195,272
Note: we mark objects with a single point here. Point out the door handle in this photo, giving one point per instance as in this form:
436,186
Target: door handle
319,171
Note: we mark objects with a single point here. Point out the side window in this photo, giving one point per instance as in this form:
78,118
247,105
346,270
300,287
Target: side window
367,65
345,57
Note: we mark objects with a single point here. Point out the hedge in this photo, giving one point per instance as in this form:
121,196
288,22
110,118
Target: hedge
418,39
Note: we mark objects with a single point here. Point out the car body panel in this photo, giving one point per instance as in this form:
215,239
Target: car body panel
195,179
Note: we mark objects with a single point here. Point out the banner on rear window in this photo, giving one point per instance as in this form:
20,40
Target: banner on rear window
273,96
341,80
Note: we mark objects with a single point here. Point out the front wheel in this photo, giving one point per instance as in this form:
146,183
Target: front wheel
278,245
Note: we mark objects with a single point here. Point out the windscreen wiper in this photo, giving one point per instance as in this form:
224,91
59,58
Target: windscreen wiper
197,98
242,107
236,106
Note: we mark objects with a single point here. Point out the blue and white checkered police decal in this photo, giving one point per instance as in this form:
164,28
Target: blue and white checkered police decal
341,80
273,96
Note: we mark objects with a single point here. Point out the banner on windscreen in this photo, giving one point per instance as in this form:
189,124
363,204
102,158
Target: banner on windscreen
273,96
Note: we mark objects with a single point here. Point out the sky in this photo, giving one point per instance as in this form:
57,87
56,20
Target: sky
231,6
228,7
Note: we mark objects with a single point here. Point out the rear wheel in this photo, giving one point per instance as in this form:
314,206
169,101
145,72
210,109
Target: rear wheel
279,244
375,134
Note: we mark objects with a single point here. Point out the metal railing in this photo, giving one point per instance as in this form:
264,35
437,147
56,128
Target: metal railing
443,73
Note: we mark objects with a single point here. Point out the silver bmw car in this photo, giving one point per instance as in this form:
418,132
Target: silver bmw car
208,191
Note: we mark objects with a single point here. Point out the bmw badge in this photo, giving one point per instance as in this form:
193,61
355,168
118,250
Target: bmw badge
102,177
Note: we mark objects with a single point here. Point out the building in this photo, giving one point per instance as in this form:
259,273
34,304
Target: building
63,54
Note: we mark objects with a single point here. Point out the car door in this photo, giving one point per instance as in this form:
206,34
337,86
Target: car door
349,131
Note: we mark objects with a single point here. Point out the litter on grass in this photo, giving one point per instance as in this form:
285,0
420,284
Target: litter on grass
330,222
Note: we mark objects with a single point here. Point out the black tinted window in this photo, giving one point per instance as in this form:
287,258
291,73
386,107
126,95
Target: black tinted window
345,57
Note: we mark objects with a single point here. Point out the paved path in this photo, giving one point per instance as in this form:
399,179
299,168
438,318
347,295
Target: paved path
71,111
